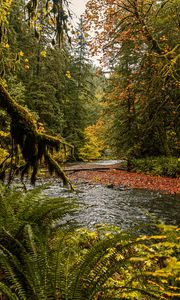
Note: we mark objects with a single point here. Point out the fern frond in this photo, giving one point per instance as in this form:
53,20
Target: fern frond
7,292
12,268
18,208
40,209
28,273
90,263
7,209
62,263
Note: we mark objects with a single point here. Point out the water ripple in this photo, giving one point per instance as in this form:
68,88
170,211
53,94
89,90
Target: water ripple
124,208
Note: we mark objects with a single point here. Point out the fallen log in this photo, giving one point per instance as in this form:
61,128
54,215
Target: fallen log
92,167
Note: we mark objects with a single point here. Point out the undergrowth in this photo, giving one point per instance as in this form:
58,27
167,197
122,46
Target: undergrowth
41,261
161,166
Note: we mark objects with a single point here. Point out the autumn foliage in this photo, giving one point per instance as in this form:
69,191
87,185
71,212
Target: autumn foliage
138,42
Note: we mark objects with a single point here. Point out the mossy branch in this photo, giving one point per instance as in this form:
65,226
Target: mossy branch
172,57
34,145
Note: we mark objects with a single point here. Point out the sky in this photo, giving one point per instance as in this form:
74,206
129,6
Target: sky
78,6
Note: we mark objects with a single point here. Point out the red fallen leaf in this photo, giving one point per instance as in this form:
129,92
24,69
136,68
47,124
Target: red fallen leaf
133,180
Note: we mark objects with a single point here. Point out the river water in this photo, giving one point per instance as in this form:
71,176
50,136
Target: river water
122,207
125,208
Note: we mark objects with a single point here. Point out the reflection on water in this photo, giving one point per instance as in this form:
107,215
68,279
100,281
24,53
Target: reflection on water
125,208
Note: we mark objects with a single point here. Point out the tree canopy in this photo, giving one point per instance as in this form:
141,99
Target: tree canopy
39,71
140,42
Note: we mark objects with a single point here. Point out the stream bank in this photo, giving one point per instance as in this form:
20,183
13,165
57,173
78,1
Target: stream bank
109,173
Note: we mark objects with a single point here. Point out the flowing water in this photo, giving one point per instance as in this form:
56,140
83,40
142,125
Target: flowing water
125,208
122,207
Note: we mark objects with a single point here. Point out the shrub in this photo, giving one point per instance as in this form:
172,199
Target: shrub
162,166
112,264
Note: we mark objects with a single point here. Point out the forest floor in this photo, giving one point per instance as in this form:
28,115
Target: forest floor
111,176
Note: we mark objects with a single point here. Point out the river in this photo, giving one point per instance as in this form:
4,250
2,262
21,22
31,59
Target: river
122,207
125,208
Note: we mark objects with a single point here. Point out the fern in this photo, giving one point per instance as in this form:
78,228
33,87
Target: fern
11,268
118,267
40,261
26,231
18,208
7,291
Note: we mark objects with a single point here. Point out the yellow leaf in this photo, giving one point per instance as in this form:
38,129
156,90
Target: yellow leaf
43,53
21,53
68,74
6,46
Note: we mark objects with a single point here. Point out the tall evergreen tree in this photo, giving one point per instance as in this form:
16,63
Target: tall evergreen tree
26,136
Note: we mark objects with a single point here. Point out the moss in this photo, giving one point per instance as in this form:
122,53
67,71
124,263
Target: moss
34,145
54,167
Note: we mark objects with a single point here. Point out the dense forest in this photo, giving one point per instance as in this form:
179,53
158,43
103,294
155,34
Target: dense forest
108,87
140,45
44,67
127,106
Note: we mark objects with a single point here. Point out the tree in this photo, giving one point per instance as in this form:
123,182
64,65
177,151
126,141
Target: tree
26,137
148,31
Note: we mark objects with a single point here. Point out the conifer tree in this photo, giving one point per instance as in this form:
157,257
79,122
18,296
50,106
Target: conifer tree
26,137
